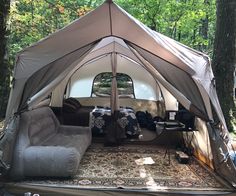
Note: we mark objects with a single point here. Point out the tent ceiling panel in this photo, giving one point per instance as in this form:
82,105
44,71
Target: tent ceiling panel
105,46
196,60
107,41
78,34
177,77
116,45
170,101
206,99
15,96
49,73
145,86
86,74
136,32
179,96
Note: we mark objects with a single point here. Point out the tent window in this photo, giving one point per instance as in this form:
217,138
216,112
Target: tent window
102,85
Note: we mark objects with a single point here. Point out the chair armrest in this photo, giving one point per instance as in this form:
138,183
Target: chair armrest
73,130
76,130
51,161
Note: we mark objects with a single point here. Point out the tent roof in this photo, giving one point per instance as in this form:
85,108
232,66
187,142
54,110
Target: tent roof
112,21
48,61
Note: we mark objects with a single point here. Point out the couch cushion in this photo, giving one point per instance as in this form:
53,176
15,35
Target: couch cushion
41,130
50,161
42,124
78,141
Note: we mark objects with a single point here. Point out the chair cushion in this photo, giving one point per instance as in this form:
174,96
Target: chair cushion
42,125
80,142
51,161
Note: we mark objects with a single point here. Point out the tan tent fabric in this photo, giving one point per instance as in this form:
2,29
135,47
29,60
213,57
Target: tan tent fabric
176,77
46,75
185,102
78,34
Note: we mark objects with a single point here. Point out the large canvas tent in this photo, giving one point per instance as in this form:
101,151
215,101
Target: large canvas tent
110,36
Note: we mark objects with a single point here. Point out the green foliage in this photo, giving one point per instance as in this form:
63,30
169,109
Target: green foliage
103,81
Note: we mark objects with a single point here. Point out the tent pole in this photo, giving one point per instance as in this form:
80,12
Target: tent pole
114,91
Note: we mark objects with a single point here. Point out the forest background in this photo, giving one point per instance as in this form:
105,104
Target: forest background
205,25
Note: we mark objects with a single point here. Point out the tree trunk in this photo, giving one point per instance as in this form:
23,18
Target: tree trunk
204,28
224,57
4,68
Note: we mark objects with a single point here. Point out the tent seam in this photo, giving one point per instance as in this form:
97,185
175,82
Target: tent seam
110,18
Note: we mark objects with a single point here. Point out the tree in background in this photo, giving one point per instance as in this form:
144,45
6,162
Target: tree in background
224,58
4,66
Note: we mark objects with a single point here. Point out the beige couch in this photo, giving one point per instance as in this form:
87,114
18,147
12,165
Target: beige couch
46,148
